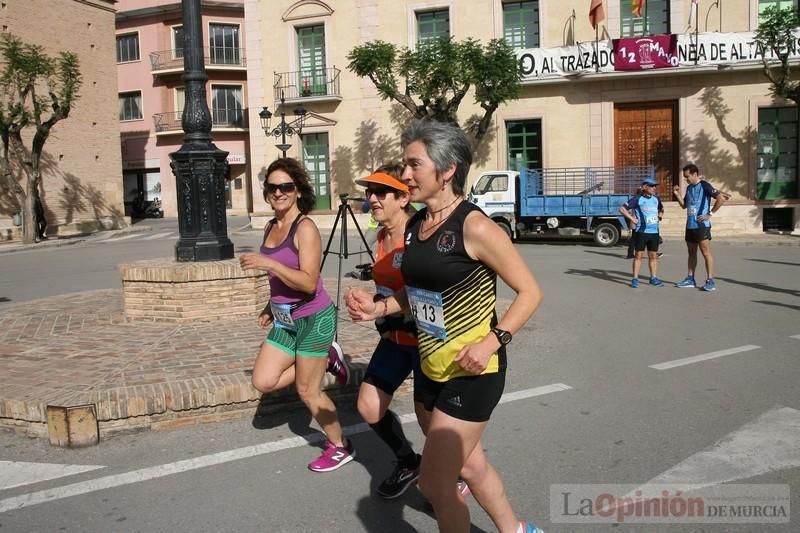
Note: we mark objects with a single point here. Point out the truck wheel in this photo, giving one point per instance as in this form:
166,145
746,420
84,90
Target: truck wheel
506,227
606,234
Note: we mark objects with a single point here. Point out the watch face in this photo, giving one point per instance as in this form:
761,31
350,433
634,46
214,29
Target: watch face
503,336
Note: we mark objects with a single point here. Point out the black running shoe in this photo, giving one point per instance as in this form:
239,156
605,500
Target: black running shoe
396,484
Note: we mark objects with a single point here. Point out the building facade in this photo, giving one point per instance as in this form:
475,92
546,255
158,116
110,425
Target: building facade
149,36
81,178
692,90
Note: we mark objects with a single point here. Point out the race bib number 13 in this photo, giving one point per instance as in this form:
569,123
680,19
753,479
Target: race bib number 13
427,310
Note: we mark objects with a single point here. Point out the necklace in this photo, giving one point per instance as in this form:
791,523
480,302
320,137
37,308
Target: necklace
445,207
442,221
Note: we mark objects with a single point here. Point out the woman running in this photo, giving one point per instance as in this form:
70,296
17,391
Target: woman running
453,256
301,313
396,355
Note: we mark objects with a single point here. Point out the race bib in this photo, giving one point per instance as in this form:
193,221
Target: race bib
428,312
397,260
282,316
651,220
692,211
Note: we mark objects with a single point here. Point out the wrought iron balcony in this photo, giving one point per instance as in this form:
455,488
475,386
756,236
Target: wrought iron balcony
317,84
232,118
219,57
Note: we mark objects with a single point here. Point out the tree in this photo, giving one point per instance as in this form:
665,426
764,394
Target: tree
439,73
36,92
776,42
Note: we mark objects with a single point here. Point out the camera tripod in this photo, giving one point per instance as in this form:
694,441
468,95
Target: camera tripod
343,253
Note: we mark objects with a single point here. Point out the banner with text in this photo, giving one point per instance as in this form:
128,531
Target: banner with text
689,50
645,53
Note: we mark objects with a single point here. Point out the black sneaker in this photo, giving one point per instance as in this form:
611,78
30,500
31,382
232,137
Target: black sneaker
396,484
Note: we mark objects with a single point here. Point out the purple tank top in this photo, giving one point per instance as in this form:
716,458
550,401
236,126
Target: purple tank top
286,253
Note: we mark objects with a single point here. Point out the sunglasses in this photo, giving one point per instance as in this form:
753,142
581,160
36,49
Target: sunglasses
285,188
379,192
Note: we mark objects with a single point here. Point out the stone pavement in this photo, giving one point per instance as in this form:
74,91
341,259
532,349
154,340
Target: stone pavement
78,349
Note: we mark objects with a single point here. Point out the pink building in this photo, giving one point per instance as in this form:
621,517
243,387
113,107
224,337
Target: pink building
151,96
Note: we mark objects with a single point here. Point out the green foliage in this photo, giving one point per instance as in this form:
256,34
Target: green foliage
776,40
438,74
36,91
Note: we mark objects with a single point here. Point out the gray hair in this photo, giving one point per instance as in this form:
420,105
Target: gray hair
446,144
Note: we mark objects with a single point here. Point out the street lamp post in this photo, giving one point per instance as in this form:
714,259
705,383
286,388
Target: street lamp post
284,128
199,166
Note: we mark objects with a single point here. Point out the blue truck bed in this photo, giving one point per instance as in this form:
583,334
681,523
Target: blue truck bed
579,191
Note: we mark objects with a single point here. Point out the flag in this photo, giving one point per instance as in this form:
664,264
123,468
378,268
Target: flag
596,13
636,7
693,13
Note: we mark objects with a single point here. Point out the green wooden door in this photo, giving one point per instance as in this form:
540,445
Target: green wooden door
315,159
311,54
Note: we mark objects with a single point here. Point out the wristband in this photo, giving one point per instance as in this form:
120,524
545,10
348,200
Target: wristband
385,308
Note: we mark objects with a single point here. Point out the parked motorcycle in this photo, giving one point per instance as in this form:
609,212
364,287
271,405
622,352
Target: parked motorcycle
151,209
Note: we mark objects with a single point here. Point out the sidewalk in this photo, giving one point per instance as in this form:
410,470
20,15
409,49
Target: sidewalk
77,349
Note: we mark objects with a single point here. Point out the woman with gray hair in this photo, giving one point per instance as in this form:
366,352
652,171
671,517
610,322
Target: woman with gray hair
453,256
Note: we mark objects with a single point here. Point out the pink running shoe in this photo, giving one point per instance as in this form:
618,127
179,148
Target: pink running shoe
332,457
337,365
463,488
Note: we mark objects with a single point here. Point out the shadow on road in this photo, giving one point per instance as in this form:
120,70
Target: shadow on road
778,304
614,276
773,262
761,286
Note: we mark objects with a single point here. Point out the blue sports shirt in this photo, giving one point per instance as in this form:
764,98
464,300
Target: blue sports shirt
646,210
698,202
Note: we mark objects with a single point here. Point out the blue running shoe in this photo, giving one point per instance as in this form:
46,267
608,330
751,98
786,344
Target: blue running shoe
710,285
655,282
528,527
688,281
634,283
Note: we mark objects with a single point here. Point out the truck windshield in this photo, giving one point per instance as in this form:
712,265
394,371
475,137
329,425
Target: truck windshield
491,183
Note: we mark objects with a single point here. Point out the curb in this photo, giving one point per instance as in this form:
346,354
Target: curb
67,240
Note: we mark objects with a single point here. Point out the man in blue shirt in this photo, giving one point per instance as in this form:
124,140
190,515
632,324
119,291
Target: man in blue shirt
697,202
644,212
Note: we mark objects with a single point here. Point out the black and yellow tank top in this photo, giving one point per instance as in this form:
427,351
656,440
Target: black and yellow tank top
452,296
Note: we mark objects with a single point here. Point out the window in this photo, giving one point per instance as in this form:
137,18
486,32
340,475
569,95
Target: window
315,161
524,144
776,173
226,106
177,42
130,105
311,54
432,24
521,24
491,183
224,44
654,19
180,99
127,48
780,4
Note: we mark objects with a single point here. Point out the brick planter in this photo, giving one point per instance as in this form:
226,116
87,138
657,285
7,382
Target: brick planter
167,291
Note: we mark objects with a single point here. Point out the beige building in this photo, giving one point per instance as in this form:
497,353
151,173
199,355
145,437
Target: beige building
678,87
81,164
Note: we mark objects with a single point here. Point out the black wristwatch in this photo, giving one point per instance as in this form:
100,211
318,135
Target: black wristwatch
503,336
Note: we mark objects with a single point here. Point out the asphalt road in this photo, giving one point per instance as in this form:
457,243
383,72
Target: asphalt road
606,385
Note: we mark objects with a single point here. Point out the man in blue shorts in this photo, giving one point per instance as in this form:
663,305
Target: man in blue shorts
643,212
697,202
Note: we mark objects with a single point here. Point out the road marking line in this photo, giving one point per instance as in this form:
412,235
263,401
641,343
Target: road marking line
19,473
795,336
157,471
766,444
704,357
157,236
122,238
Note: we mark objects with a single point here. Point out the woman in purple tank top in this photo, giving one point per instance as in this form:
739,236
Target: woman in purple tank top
299,345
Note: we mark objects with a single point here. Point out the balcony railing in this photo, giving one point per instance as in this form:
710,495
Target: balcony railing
307,83
215,56
220,118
